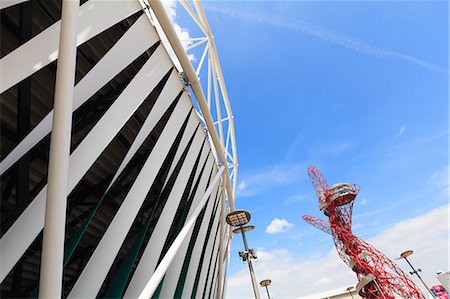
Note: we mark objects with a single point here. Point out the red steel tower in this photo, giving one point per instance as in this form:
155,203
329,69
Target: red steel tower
378,276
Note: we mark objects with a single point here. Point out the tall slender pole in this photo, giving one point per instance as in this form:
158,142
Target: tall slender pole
267,290
250,266
417,273
51,278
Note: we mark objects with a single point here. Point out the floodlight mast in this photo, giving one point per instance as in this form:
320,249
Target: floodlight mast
239,218
405,255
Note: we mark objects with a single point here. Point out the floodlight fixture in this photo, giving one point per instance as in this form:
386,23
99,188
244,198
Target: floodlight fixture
244,229
238,218
405,254
265,283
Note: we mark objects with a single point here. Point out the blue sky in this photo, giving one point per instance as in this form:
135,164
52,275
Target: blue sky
358,88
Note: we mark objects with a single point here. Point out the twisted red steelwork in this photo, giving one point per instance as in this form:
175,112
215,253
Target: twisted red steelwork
378,276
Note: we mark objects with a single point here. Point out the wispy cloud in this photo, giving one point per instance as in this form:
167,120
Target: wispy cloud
259,181
440,180
278,226
391,149
325,34
401,131
363,201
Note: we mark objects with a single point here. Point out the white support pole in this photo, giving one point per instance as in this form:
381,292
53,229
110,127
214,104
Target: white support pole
217,98
161,270
215,57
201,60
202,41
221,247
166,25
50,283
191,12
208,94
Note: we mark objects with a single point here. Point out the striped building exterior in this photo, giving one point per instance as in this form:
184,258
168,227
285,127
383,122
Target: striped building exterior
142,156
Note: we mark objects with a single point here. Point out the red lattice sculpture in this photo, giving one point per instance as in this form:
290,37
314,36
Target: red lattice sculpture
378,276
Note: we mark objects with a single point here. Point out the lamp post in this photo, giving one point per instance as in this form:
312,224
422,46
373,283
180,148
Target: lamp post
239,218
349,291
405,255
265,283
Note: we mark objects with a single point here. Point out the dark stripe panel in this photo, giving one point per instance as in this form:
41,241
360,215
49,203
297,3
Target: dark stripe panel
199,268
138,236
211,255
31,17
98,221
195,232
183,207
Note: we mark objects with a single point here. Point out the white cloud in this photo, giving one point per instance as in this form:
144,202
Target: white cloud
278,226
183,33
295,276
258,182
401,131
363,201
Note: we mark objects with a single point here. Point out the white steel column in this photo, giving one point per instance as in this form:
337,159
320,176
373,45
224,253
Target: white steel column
50,283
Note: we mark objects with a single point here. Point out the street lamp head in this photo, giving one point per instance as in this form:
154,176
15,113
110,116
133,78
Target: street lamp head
238,218
265,282
405,254
244,229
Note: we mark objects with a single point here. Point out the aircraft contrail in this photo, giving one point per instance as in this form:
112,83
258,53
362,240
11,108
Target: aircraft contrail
322,33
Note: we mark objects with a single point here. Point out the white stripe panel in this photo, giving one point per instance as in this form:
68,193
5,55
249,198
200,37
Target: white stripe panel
197,251
170,91
148,262
7,3
19,237
91,279
211,250
212,275
193,121
133,43
152,252
31,221
94,17
173,273
119,113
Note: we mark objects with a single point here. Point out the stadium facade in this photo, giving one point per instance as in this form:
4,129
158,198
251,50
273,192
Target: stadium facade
152,167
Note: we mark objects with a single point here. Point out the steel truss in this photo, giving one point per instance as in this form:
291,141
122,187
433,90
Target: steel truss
218,123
